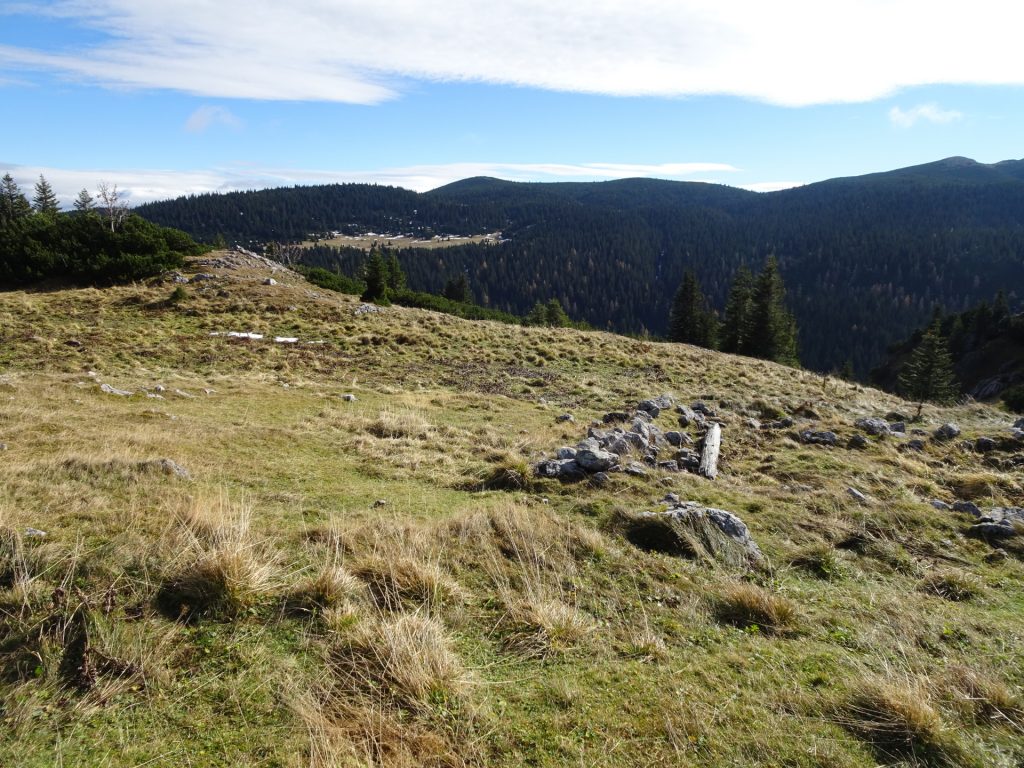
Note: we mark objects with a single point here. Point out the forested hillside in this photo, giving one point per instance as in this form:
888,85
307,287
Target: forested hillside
865,259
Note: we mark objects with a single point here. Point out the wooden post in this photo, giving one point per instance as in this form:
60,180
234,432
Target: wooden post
709,454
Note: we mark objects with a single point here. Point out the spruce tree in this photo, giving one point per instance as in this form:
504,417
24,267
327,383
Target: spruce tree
690,321
395,274
928,374
375,274
84,202
457,289
13,204
555,316
736,328
45,201
772,328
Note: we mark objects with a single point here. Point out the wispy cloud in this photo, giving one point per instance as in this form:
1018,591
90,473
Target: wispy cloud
206,116
142,186
790,52
931,113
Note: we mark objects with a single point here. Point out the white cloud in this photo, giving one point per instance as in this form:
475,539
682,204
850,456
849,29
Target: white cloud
931,113
208,115
790,52
142,186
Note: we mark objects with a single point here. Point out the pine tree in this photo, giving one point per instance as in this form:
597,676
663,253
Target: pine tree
457,289
84,202
555,316
375,275
45,201
772,330
928,374
13,204
395,275
735,329
690,321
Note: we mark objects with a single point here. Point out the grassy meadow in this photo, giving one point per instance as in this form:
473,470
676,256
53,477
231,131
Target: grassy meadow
379,580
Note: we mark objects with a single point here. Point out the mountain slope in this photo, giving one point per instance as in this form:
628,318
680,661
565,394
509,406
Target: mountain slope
865,258
324,546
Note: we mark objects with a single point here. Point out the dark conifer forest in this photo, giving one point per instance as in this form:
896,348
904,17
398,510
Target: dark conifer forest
864,260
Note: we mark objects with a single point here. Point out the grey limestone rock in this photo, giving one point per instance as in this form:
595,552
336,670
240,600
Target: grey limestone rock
967,507
873,426
818,437
947,431
692,530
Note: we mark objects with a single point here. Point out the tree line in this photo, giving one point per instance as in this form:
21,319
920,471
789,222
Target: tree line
97,242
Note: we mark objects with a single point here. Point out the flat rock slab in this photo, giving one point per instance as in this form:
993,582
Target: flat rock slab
999,523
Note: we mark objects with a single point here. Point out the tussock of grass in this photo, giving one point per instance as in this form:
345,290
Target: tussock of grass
329,587
747,605
953,585
981,697
400,582
898,722
821,561
395,424
221,569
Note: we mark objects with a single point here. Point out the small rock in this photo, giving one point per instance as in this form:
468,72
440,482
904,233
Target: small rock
857,495
635,469
201,277
752,423
858,442
566,418
940,505
671,498
349,398
595,460
114,391
615,417
674,438
3,447
896,416
784,423
873,426
184,394
818,438
380,503
897,427
270,281
984,444
159,388
35,533
655,405
947,431
669,466
701,407
918,432
566,453
915,445
967,507
600,479
72,343
209,391
167,467
999,523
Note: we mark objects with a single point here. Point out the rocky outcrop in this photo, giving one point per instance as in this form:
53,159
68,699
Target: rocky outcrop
999,523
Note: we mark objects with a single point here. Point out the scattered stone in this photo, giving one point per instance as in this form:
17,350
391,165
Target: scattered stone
784,423
857,495
366,309
595,460
174,277
159,388
114,391
947,431
72,343
201,277
182,393
896,416
615,417
670,498
380,503
270,281
1019,424
348,398
635,469
873,426
600,479
566,418
701,407
3,447
209,391
898,428
967,507
858,442
35,533
566,453
999,523
940,505
674,438
694,531
167,467
918,432
286,340
669,466
752,423
984,444
655,405
818,438
914,445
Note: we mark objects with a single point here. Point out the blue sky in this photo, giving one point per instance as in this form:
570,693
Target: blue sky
165,98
